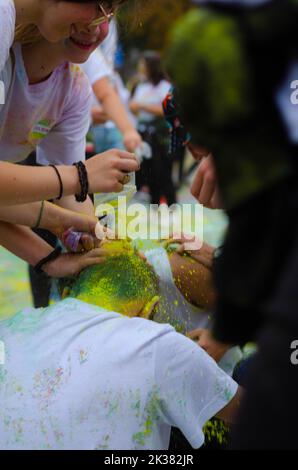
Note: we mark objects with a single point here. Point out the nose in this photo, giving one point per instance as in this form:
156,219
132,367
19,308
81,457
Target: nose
88,28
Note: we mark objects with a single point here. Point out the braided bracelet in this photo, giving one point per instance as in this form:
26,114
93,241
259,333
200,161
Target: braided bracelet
39,215
51,257
83,178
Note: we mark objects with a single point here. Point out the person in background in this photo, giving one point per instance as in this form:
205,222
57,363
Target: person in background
112,126
155,176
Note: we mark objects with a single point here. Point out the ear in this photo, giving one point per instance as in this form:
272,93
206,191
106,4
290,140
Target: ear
147,311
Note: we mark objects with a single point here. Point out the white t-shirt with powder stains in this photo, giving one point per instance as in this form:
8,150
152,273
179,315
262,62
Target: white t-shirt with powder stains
77,376
51,117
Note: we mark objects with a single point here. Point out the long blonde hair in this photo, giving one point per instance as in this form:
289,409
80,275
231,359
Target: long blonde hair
27,34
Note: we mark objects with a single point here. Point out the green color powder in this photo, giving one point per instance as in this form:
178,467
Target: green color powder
123,283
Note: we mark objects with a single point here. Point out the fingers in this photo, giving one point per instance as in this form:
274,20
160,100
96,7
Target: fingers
128,165
84,263
95,253
207,190
204,184
197,184
195,334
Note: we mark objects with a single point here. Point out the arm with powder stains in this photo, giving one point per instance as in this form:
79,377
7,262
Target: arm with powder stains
193,279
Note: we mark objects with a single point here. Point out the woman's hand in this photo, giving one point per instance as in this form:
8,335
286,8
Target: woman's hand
205,340
107,171
204,254
71,264
78,242
132,140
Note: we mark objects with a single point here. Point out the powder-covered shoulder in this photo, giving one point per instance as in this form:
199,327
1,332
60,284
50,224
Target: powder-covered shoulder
7,27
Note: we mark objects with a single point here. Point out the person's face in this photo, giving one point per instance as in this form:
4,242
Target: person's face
83,40
58,18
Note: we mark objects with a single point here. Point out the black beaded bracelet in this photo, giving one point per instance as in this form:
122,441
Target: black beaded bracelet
83,178
51,257
60,181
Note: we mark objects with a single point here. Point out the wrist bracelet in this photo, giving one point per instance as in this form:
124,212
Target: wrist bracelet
39,215
60,181
83,178
51,257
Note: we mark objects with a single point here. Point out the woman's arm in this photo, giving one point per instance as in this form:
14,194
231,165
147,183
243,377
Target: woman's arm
52,218
155,109
114,108
194,280
71,204
23,184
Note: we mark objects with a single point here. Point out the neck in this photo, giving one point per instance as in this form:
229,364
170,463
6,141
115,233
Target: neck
40,60
27,11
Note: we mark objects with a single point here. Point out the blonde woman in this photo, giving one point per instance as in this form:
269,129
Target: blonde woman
53,110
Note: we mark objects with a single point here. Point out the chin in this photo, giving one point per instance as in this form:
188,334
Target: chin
77,56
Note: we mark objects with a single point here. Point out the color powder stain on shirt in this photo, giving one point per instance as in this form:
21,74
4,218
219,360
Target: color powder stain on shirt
83,356
224,392
113,407
105,443
151,417
3,374
26,320
135,399
47,384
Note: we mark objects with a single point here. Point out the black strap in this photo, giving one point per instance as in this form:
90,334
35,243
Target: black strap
51,257
60,181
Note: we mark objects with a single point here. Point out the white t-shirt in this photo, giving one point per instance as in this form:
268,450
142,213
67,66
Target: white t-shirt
79,377
51,117
7,27
148,93
96,68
